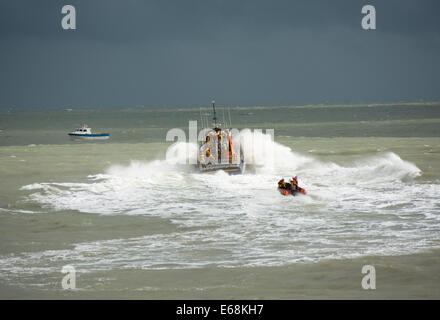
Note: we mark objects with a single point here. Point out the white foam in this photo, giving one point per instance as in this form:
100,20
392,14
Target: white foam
371,206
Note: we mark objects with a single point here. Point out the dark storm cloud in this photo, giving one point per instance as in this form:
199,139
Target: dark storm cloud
241,52
137,20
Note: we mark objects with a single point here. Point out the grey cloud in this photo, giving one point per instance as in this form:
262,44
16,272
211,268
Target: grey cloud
241,52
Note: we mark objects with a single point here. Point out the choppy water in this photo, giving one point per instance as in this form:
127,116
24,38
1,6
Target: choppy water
125,206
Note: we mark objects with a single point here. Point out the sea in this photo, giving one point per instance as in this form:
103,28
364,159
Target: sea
133,218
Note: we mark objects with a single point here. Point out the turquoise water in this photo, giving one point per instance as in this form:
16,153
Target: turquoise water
136,223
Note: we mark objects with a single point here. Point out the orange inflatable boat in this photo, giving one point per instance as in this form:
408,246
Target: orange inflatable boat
286,192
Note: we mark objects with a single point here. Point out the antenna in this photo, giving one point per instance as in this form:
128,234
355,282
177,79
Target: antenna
214,119
201,117
230,122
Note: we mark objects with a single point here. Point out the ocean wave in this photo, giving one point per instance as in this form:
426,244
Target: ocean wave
372,205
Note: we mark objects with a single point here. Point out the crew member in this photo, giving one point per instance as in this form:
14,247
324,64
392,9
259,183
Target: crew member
281,184
294,183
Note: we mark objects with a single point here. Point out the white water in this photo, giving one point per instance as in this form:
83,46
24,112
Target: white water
371,207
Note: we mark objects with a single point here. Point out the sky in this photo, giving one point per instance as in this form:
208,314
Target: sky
165,53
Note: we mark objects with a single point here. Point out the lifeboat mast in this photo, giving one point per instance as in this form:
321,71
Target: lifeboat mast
218,132
214,118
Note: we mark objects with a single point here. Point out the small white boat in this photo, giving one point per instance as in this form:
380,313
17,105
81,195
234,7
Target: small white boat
85,133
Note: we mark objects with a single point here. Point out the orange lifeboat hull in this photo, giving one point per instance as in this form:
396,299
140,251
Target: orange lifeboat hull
286,192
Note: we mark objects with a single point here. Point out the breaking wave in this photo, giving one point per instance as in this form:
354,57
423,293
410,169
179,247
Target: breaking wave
373,205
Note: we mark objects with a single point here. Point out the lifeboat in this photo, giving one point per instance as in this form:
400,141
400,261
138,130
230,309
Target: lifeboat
218,151
286,192
290,188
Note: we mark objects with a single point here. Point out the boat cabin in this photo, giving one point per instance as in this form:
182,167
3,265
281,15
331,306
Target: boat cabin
83,130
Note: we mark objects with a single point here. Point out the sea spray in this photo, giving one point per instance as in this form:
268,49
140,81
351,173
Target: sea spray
242,220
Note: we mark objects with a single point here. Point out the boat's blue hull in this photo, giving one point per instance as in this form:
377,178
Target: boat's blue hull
92,136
